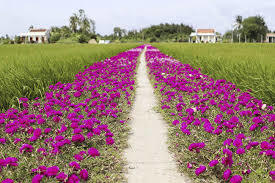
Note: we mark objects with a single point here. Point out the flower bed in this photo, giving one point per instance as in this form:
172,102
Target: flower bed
217,132
77,132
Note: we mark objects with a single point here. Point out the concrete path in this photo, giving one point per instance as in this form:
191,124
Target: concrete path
147,155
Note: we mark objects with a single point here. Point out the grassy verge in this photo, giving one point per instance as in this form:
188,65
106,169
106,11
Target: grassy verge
216,132
77,131
249,66
28,70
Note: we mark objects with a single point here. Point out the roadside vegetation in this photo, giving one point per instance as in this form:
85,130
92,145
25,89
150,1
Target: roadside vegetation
217,132
76,132
28,70
249,66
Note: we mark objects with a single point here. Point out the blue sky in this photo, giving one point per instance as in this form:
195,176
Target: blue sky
16,15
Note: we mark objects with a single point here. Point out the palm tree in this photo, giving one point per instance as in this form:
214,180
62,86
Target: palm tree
73,23
238,25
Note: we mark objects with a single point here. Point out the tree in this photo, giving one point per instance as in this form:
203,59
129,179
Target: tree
80,23
17,40
31,27
238,25
254,28
117,32
73,23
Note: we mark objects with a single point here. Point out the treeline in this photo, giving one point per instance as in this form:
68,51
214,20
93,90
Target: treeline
155,33
81,29
250,29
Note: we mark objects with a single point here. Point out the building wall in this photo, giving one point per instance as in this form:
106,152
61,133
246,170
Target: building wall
206,39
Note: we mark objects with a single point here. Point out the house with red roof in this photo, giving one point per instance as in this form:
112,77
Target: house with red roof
203,36
36,36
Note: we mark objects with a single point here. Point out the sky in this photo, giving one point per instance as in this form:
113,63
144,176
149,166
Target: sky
16,16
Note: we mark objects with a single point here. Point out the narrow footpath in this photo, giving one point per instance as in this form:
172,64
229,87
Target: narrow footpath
148,156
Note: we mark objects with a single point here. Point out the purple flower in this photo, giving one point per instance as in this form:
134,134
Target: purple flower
226,174
37,178
2,140
93,152
52,171
236,179
213,163
26,148
78,157
74,165
73,179
7,181
237,142
61,176
78,138
240,151
110,141
200,170
84,174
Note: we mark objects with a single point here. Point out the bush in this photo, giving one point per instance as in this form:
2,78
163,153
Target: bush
83,38
55,37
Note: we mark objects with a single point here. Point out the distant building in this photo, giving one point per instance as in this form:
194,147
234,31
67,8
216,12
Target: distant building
270,38
92,41
36,36
104,42
203,36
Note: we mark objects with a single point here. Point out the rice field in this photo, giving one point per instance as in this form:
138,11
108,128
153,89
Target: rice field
249,66
28,70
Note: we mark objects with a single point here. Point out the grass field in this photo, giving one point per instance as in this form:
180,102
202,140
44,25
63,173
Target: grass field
28,70
249,66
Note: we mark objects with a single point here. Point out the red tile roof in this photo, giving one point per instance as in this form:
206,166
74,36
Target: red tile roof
205,30
38,30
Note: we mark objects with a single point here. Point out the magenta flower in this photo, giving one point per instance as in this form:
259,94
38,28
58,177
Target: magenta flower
37,178
84,174
93,152
77,94
12,161
2,140
52,171
78,138
7,181
110,141
226,174
26,148
61,176
73,179
240,151
189,165
237,142
200,170
78,157
74,165
213,163
236,179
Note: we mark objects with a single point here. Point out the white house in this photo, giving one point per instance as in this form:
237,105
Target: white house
36,36
270,38
104,42
203,36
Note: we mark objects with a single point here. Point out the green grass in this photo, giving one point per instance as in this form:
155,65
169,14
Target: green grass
28,70
249,66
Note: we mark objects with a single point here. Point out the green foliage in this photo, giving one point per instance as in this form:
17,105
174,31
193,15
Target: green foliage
249,66
28,70
55,37
83,38
254,27
17,40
